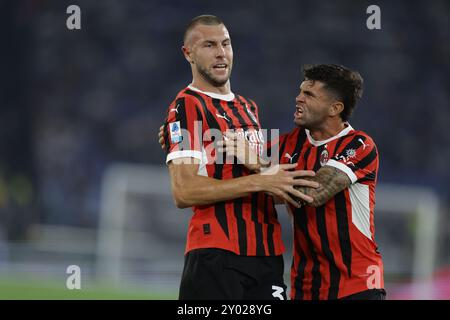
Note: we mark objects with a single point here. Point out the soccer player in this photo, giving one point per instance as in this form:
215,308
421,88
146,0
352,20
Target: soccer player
335,254
234,247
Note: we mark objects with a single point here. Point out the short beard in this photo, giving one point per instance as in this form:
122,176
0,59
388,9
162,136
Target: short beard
208,77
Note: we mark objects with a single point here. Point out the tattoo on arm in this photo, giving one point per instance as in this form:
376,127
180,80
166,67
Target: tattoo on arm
331,180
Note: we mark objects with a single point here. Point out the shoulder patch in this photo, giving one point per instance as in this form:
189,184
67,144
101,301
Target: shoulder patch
175,132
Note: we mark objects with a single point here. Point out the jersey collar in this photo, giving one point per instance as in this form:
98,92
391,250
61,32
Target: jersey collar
226,97
316,143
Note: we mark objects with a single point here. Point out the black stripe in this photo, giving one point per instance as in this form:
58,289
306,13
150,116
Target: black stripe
241,225
368,177
353,144
305,158
335,275
253,107
258,226
319,224
301,138
270,226
181,114
221,110
367,159
210,119
219,208
244,106
237,203
282,147
338,144
322,231
343,230
317,165
166,137
243,124
199,133
302,224
298,282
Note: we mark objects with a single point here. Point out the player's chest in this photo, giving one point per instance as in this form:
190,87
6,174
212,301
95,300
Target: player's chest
309,157
225,115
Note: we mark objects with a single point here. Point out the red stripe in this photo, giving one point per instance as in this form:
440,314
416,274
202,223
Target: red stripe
344,143
332,232
244,114
230,114
250,226
261,220
232,225
307,281
278,243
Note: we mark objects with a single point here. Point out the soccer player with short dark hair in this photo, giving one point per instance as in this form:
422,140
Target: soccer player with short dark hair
335,254
234,247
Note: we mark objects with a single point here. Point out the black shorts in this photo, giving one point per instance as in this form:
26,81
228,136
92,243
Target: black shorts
372,294
215,274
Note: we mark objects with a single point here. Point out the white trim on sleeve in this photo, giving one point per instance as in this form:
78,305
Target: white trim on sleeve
184,154
344,168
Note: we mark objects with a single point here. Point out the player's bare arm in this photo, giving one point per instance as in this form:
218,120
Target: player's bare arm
190,189
331,181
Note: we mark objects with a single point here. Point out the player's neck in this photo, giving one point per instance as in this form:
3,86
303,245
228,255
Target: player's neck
328,131
207,87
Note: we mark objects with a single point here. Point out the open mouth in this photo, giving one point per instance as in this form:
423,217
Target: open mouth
298,111
220,66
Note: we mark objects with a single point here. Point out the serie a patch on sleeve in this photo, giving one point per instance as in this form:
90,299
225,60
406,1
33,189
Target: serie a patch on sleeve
175,132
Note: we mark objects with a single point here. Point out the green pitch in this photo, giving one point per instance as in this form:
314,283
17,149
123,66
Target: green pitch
23,289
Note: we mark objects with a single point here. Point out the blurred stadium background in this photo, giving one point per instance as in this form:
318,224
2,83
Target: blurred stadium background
82,177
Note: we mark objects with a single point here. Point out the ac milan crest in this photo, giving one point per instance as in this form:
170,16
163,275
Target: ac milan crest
324,157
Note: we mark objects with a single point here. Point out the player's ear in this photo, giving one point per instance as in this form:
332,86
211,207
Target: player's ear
336,108
187,54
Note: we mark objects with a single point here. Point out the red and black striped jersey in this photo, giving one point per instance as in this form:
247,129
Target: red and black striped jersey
246,226
335,254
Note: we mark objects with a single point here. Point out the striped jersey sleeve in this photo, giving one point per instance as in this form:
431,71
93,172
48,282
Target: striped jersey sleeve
357,157
183,129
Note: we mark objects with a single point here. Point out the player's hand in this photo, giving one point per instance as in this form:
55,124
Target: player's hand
280,181
237,146
161,137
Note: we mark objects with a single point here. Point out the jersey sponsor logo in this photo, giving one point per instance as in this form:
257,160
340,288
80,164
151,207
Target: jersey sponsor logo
175,132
